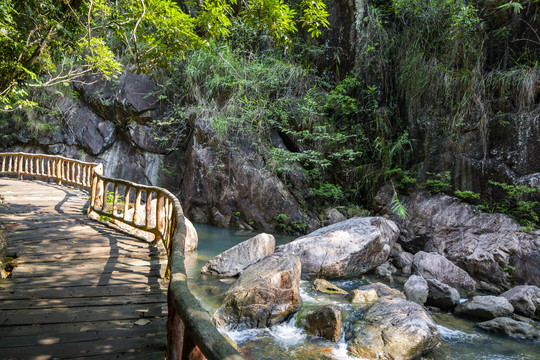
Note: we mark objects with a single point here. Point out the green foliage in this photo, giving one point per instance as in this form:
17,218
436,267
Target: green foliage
238,94
515,7
397,207
327,191
314,16
402,179
438,183
290,227
66,40
518,202
467,195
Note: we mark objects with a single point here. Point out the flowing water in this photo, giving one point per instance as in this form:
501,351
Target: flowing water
461,340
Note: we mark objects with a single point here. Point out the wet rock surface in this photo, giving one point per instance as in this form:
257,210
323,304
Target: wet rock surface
325,322
363,297
234,260
265,294
382,290
484,307
327,287
510,327
346,249
394,328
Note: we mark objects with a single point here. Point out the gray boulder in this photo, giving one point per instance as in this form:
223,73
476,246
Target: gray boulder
394,328
441,295
333,216
510,327
346,249
485,307
234,260
265,294
403,261
435,266
416,289
325,322
525,299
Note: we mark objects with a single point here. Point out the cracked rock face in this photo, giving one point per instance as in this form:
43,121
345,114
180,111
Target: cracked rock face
394,328
325,322
484,245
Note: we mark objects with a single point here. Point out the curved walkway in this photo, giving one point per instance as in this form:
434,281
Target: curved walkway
80,289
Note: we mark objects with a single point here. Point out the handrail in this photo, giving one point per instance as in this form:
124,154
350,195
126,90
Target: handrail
190,331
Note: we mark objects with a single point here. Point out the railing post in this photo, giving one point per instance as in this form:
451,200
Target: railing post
19,169
59,171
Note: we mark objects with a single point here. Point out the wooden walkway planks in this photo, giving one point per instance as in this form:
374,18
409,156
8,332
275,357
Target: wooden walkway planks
80,287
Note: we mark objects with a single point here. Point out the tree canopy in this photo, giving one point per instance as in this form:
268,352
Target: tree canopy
46,42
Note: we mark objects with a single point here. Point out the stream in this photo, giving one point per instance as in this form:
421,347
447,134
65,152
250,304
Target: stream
289,341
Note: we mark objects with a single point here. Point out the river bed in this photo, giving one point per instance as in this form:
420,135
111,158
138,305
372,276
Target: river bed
461,340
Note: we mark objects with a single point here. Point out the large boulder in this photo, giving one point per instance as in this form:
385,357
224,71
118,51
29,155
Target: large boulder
325,322
416,289
232,261
484,307
441,295
510,327
525,299
346,249
435,266
265,294
485,245
394,328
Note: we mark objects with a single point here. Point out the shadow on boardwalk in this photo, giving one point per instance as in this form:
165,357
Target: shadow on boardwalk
80,288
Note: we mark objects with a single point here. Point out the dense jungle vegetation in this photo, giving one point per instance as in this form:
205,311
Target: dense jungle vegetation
252,68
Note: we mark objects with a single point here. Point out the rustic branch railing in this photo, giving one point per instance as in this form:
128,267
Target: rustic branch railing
190,331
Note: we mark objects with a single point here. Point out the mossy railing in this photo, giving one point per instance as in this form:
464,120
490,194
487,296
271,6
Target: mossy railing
190,331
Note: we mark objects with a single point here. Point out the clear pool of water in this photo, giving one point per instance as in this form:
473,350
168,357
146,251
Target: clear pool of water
461,340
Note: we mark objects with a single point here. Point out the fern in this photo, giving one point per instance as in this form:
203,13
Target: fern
397,207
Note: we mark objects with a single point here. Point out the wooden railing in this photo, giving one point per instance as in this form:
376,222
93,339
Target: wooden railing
54,167
190,331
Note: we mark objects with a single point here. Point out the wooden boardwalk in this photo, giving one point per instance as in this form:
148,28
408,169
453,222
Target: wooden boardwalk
80,289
